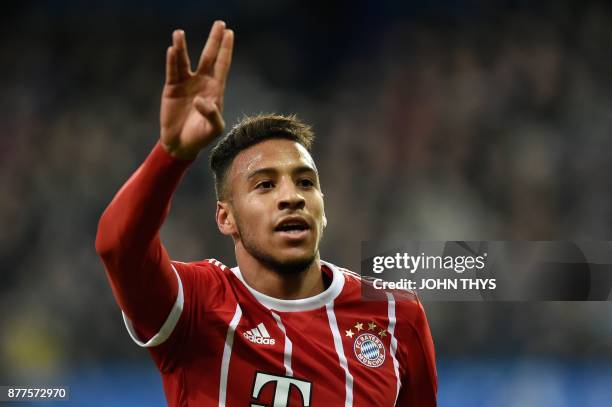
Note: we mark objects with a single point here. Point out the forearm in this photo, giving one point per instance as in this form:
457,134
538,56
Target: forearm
128,241
132,220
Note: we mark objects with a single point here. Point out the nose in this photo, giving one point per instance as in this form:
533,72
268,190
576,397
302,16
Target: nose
290,197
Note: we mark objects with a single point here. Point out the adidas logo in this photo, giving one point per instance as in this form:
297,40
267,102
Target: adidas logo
259,335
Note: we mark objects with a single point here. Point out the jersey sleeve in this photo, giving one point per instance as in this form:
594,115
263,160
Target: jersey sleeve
416,356
144,283
201,310
169,324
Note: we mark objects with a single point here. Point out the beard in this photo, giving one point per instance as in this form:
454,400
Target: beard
293,266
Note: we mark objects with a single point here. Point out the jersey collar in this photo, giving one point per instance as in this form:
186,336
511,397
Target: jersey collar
303,304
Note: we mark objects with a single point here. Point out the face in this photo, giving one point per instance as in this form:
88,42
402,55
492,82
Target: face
275,212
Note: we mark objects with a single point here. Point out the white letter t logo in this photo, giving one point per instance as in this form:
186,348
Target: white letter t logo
283,385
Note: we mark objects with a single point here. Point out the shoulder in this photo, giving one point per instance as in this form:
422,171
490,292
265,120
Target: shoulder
350,277
210,285
209,274
207,267
402,306
372,292
410,311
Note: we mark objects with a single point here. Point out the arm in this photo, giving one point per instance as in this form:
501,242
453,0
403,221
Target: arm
128,242
419,377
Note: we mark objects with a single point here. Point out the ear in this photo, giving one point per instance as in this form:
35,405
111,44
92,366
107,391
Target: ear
225,218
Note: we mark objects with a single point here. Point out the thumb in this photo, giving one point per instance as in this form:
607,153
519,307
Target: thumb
209,109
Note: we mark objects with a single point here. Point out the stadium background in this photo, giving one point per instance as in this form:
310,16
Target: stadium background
438,120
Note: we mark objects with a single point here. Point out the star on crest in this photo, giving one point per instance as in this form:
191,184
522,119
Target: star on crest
382,333
371,326
349,333
359,326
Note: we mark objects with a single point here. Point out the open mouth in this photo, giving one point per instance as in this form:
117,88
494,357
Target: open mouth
292,226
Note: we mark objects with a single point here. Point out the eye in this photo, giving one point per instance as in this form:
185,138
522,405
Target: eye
264,185
306,183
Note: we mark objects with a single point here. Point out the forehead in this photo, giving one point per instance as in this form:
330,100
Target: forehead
279,154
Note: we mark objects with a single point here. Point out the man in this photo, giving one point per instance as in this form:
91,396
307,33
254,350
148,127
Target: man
284,328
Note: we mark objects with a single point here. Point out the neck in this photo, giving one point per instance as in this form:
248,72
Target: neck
284,286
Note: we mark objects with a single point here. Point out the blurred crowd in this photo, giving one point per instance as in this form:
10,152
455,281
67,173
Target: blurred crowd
434,123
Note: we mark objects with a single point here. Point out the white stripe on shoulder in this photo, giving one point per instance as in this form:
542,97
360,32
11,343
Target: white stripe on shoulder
350,273
167,327
217,263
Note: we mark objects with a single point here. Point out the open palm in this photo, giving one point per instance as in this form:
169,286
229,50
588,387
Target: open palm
192,101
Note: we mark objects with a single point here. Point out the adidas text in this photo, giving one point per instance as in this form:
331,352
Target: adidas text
259,339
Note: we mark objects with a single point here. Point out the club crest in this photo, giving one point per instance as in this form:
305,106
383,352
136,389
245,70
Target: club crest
368,347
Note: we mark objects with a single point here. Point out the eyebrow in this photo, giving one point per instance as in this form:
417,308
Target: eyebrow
273,171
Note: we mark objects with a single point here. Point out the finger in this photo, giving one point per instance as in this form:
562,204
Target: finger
172,75
180,45
210,110
224,58
209,53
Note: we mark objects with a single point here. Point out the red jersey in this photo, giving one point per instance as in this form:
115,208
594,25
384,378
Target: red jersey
217,341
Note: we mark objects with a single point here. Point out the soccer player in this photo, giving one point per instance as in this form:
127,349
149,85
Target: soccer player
282,328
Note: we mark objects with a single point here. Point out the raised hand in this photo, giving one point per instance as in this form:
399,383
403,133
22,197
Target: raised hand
192,102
